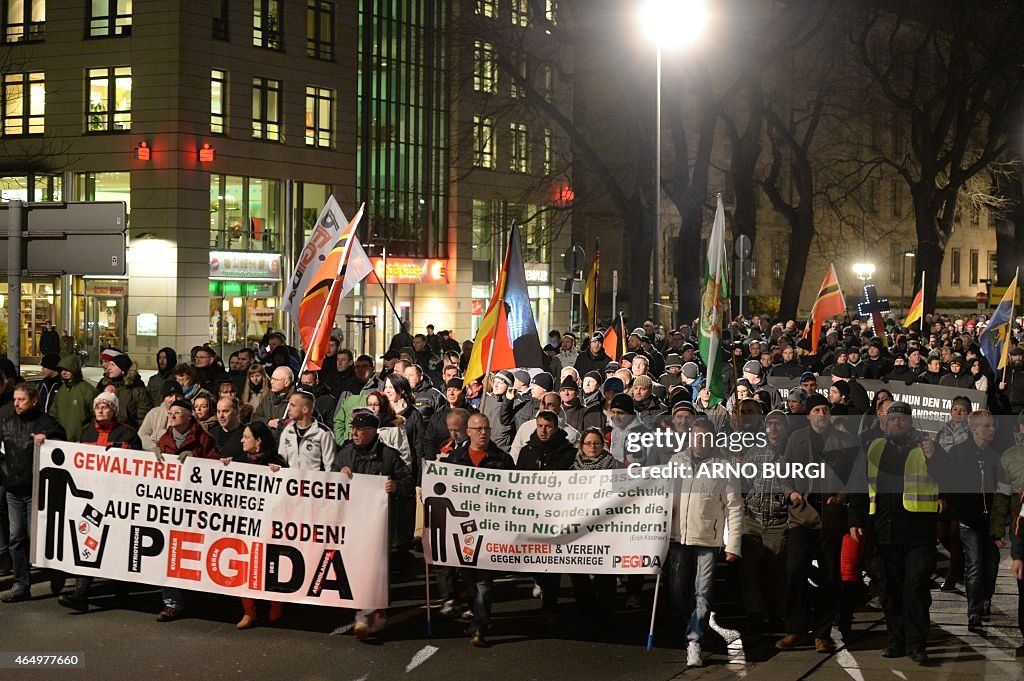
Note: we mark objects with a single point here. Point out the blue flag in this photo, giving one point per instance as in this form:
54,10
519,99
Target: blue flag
995,337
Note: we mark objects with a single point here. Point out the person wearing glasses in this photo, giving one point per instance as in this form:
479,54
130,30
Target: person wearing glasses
595,594
184,438
274,407
479,451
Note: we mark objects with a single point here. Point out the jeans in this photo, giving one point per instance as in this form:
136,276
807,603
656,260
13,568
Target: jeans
173,597
804,545
981,567
907,572
18,507
763,568
691,579
482,582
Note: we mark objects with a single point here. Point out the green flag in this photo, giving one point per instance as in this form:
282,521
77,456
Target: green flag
713,305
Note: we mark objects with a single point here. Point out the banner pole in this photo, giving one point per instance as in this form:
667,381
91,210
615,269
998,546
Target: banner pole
654,612
426,570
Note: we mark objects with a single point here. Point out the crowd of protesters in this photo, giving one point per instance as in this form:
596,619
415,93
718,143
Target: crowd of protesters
804,556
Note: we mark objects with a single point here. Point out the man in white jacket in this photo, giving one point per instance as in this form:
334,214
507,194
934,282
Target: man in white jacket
305,444
705,505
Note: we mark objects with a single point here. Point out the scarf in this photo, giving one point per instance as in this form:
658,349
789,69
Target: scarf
602,462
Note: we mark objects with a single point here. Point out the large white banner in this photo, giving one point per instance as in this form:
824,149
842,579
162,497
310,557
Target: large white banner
238,529
593,522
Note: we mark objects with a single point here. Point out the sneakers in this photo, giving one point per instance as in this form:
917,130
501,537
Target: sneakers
170,613
537,591
467,616
789,642
824,645
974,624
448,609
16,595
74,603
478,640
693,658
919,656
361,631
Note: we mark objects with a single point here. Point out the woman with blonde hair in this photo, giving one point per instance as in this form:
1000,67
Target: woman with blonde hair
257,386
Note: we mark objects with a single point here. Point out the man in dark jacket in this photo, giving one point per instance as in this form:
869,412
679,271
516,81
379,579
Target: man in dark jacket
788,367
901,373
480,452
209,368
436,432
901,508
1013,380
166,360
20,432
595,358
576,414
957,377
367,455
51,382
227,433
428,398
975,470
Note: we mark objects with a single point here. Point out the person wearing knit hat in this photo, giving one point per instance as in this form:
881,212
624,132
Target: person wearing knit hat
543,380
816,400
122,377
506,376
673,371
51,382
611,368
622,402
591,388
570,384
109,398
614,385
643,381
521,380
645,404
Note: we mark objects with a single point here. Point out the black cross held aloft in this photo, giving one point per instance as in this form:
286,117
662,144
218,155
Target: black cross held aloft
872,303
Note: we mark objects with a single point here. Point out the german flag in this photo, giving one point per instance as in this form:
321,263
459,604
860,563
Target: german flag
613,336
829,303
916,312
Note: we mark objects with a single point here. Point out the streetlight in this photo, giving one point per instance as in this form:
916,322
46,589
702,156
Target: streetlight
669,24
903,282
863,270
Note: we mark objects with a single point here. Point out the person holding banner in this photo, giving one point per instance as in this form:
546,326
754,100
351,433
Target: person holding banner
305,443
104,431
19,432
595,594
367,455
480,452
259,449
704,507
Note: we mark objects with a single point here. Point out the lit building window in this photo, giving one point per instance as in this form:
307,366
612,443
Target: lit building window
519,159
546,81
24,20
266,24
548,151
550,11
319,116
110,99
485,69
320,30
24,103
515,89
109,18
521,13
483,223
245,213
218,101
483,142
31,188
266,109
486,8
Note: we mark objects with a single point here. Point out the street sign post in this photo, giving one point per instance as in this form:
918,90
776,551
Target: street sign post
85,238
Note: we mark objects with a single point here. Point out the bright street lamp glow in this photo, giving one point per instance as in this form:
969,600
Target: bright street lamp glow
675,23
864,270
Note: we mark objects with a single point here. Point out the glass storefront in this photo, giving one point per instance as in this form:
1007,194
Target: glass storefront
31,188
245,214
240,313
100,316
38,311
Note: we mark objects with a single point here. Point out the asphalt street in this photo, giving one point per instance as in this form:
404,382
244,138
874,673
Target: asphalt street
120,639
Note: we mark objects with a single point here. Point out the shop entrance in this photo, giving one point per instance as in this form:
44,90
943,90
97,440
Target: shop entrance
105,319
240,314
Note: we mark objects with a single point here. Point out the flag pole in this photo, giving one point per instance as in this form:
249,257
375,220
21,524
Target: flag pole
1009,326
319,322
921,321
494,332
597,285
426,568
654,612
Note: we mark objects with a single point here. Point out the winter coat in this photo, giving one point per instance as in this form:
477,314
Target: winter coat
788,369
495,458
16,433
704,506
155,385
517,411
112,435
901,374
132,396
527,430
649,411
271,407
48,388
377,459
565,358
557,454
585,362
153,427
581,417
962,380
436,430
314,451
394,436
72,405
1006,504
197,443
972,468
229,442
428,398
840,451
500,433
